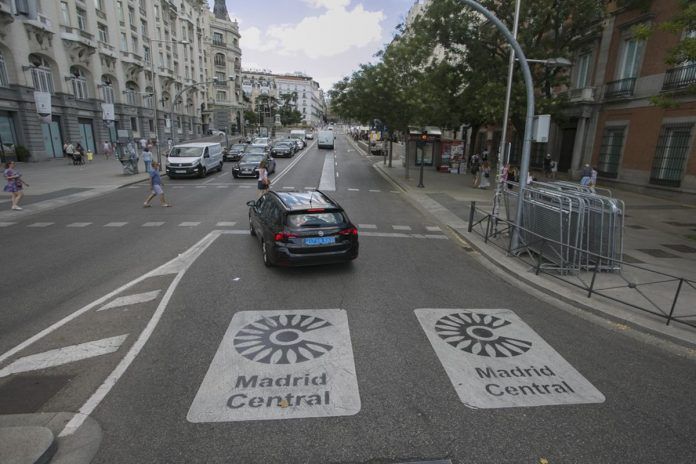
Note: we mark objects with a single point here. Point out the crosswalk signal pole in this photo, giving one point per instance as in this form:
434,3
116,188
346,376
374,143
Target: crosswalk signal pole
421,144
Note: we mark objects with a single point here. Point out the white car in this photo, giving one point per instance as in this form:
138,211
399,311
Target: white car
216,132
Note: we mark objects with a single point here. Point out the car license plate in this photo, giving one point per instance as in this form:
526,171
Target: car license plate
180,171
319,240
246,171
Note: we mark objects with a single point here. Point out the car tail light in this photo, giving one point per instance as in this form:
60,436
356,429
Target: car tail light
349,231
283,236
315,210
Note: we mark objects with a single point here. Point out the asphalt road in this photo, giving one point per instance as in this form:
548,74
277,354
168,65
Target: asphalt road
85,256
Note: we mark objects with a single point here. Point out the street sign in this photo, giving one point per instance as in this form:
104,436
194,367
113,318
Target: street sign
280,365
495,360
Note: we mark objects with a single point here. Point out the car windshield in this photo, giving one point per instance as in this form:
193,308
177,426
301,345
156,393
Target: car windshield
185,152
238,147
282,145
261,140
255,150
319,219
251,158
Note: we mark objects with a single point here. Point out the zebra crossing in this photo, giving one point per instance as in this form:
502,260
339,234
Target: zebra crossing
366,230
282,187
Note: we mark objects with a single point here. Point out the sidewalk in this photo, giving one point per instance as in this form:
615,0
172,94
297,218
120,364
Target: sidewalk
659,235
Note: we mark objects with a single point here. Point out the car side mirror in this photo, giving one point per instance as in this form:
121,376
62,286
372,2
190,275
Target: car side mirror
251,203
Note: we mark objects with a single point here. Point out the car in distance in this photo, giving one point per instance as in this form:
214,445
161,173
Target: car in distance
309,135
302,228
233,152
194,159
284,149
248,165
325,139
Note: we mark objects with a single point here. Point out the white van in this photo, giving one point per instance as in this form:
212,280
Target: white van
298,134
194,159
325,139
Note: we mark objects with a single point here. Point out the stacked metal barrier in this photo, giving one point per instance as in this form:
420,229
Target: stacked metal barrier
569,226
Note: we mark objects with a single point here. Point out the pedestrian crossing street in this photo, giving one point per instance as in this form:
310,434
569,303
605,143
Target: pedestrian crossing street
287,188
366,230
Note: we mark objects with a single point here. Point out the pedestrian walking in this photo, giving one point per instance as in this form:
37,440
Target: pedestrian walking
107,149
263,181
554,169
79,154
485,178
476,169
70,151
15,184
586,175
147,159
547,165
132,157
156,187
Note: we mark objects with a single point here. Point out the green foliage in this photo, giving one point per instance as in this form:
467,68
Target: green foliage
664,102
251,116
22,153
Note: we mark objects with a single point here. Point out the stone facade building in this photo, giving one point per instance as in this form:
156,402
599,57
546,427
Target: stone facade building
90,71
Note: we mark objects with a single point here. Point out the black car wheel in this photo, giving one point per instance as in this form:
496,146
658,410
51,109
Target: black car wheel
202,171
264,254
220,167
252,232
234,174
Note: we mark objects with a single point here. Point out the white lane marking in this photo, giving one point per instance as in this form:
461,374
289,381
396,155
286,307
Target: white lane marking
245,186
201,186
41,224
189,224
277,177
115,224
225,224
375,191
63,355
79,224
280,364
433,229
178,265
179,186
6,224
495,360
401,227
223,186
384,234
212,179
152,224
131,300
367,226
328,181
288,188
436,236
310,188
132,187
353,190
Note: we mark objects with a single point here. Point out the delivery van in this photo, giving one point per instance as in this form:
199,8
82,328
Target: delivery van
194,159
325,139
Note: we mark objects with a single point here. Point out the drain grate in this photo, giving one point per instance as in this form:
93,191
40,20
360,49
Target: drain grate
26,394
680,248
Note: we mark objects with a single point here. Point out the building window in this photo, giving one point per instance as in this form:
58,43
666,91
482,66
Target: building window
124,42
135,44
146,54
582,72
219,59
107,91
151,124
119,7
218,39
143,28
134,124
220,96
41,74
610,151
220,77
103,33
630,58
4,81
131,16
81,19
671,154
99,5
65,13
79,84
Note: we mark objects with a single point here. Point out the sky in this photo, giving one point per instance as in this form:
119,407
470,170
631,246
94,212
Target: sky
324,39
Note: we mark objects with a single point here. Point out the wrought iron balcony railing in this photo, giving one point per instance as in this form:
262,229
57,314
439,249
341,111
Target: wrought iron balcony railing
620,88
680,77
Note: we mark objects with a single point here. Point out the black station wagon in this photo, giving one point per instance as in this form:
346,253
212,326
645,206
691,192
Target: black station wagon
302,228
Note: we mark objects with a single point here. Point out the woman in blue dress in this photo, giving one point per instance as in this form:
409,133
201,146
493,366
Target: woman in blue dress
14,184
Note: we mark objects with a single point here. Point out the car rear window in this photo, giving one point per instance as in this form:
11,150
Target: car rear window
315,219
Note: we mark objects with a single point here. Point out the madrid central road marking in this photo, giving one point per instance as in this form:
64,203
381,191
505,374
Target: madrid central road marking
495,360
284,364
328,176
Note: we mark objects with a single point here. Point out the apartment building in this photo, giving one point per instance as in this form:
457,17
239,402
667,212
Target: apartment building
96,70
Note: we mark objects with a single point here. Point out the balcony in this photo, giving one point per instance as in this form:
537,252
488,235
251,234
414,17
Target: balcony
620,89
582,95
679,77
219,43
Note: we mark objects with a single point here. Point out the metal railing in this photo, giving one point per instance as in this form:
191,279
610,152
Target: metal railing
680,77
620,88
661,294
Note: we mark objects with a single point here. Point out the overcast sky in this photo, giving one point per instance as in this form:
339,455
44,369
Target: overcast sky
325,39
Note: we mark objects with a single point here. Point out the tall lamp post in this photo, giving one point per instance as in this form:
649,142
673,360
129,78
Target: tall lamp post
154,92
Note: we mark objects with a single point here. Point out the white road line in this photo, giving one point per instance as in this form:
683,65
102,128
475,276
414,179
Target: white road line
212,179
310,188
41,224
245,186
201,186
6,224
375,191
189,224
401,227
328,180
384,234
115,224
436,236
288,188
433,229
63,355
79,224
223,186
225,224
131,300
152,224
353,190
178,265
367,226
179,186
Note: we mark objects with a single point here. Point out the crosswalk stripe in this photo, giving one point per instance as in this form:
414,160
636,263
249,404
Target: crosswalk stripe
115,224
79,224
41,224
375,191
288,188
6,224
245,186
64,355
433,229
153,224
179,186
367,226
353,190
223,186
401,227
225,224
201,186
189,224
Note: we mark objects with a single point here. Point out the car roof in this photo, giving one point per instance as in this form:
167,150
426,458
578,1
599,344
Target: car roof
297,201
197,145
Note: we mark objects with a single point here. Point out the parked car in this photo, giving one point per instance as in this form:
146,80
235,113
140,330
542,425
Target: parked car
309,136
248,165
216,132
233,152
302,228
194,159
284,149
